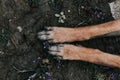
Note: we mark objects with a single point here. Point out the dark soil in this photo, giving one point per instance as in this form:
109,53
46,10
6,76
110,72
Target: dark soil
24,57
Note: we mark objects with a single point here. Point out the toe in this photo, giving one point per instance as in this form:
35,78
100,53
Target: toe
53,53
56,53
45,35
56,50
49,28
56,47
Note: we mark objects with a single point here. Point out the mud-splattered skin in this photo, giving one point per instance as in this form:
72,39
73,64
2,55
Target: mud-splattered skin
71,52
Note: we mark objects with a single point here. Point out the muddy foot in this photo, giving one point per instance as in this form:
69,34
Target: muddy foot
66,51
58,34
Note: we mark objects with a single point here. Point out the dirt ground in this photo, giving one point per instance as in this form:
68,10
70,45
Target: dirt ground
24,57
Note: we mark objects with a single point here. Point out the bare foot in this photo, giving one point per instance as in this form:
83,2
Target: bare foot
61,34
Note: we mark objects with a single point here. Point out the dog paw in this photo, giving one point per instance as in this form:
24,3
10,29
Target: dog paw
64,51
57,34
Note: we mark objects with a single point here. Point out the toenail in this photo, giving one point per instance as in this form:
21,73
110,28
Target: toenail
49,28
52,52
42,32
53,48
43,37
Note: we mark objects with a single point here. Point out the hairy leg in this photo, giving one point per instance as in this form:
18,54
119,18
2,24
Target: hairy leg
71,52
61,34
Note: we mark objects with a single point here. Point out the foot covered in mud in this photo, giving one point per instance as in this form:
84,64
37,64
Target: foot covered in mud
70,52
64,51
57,34
61,34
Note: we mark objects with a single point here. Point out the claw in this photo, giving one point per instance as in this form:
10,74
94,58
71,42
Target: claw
44,37
53,53
56,50
41,33
59,54
44,33
49,28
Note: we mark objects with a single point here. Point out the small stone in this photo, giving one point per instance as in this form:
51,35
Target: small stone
48,74
3,30
57,15
62,21
62,13
68,10
63,16
19,28
49,67
10,20
82,7
15,17
8,43
45,61
1,52
59,21
40,77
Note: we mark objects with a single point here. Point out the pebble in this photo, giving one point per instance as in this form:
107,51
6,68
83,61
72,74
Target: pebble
45,61
1,52
69,11
57,15
19,28
10,20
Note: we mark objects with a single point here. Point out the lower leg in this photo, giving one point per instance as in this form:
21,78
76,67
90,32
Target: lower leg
71,52
96,30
